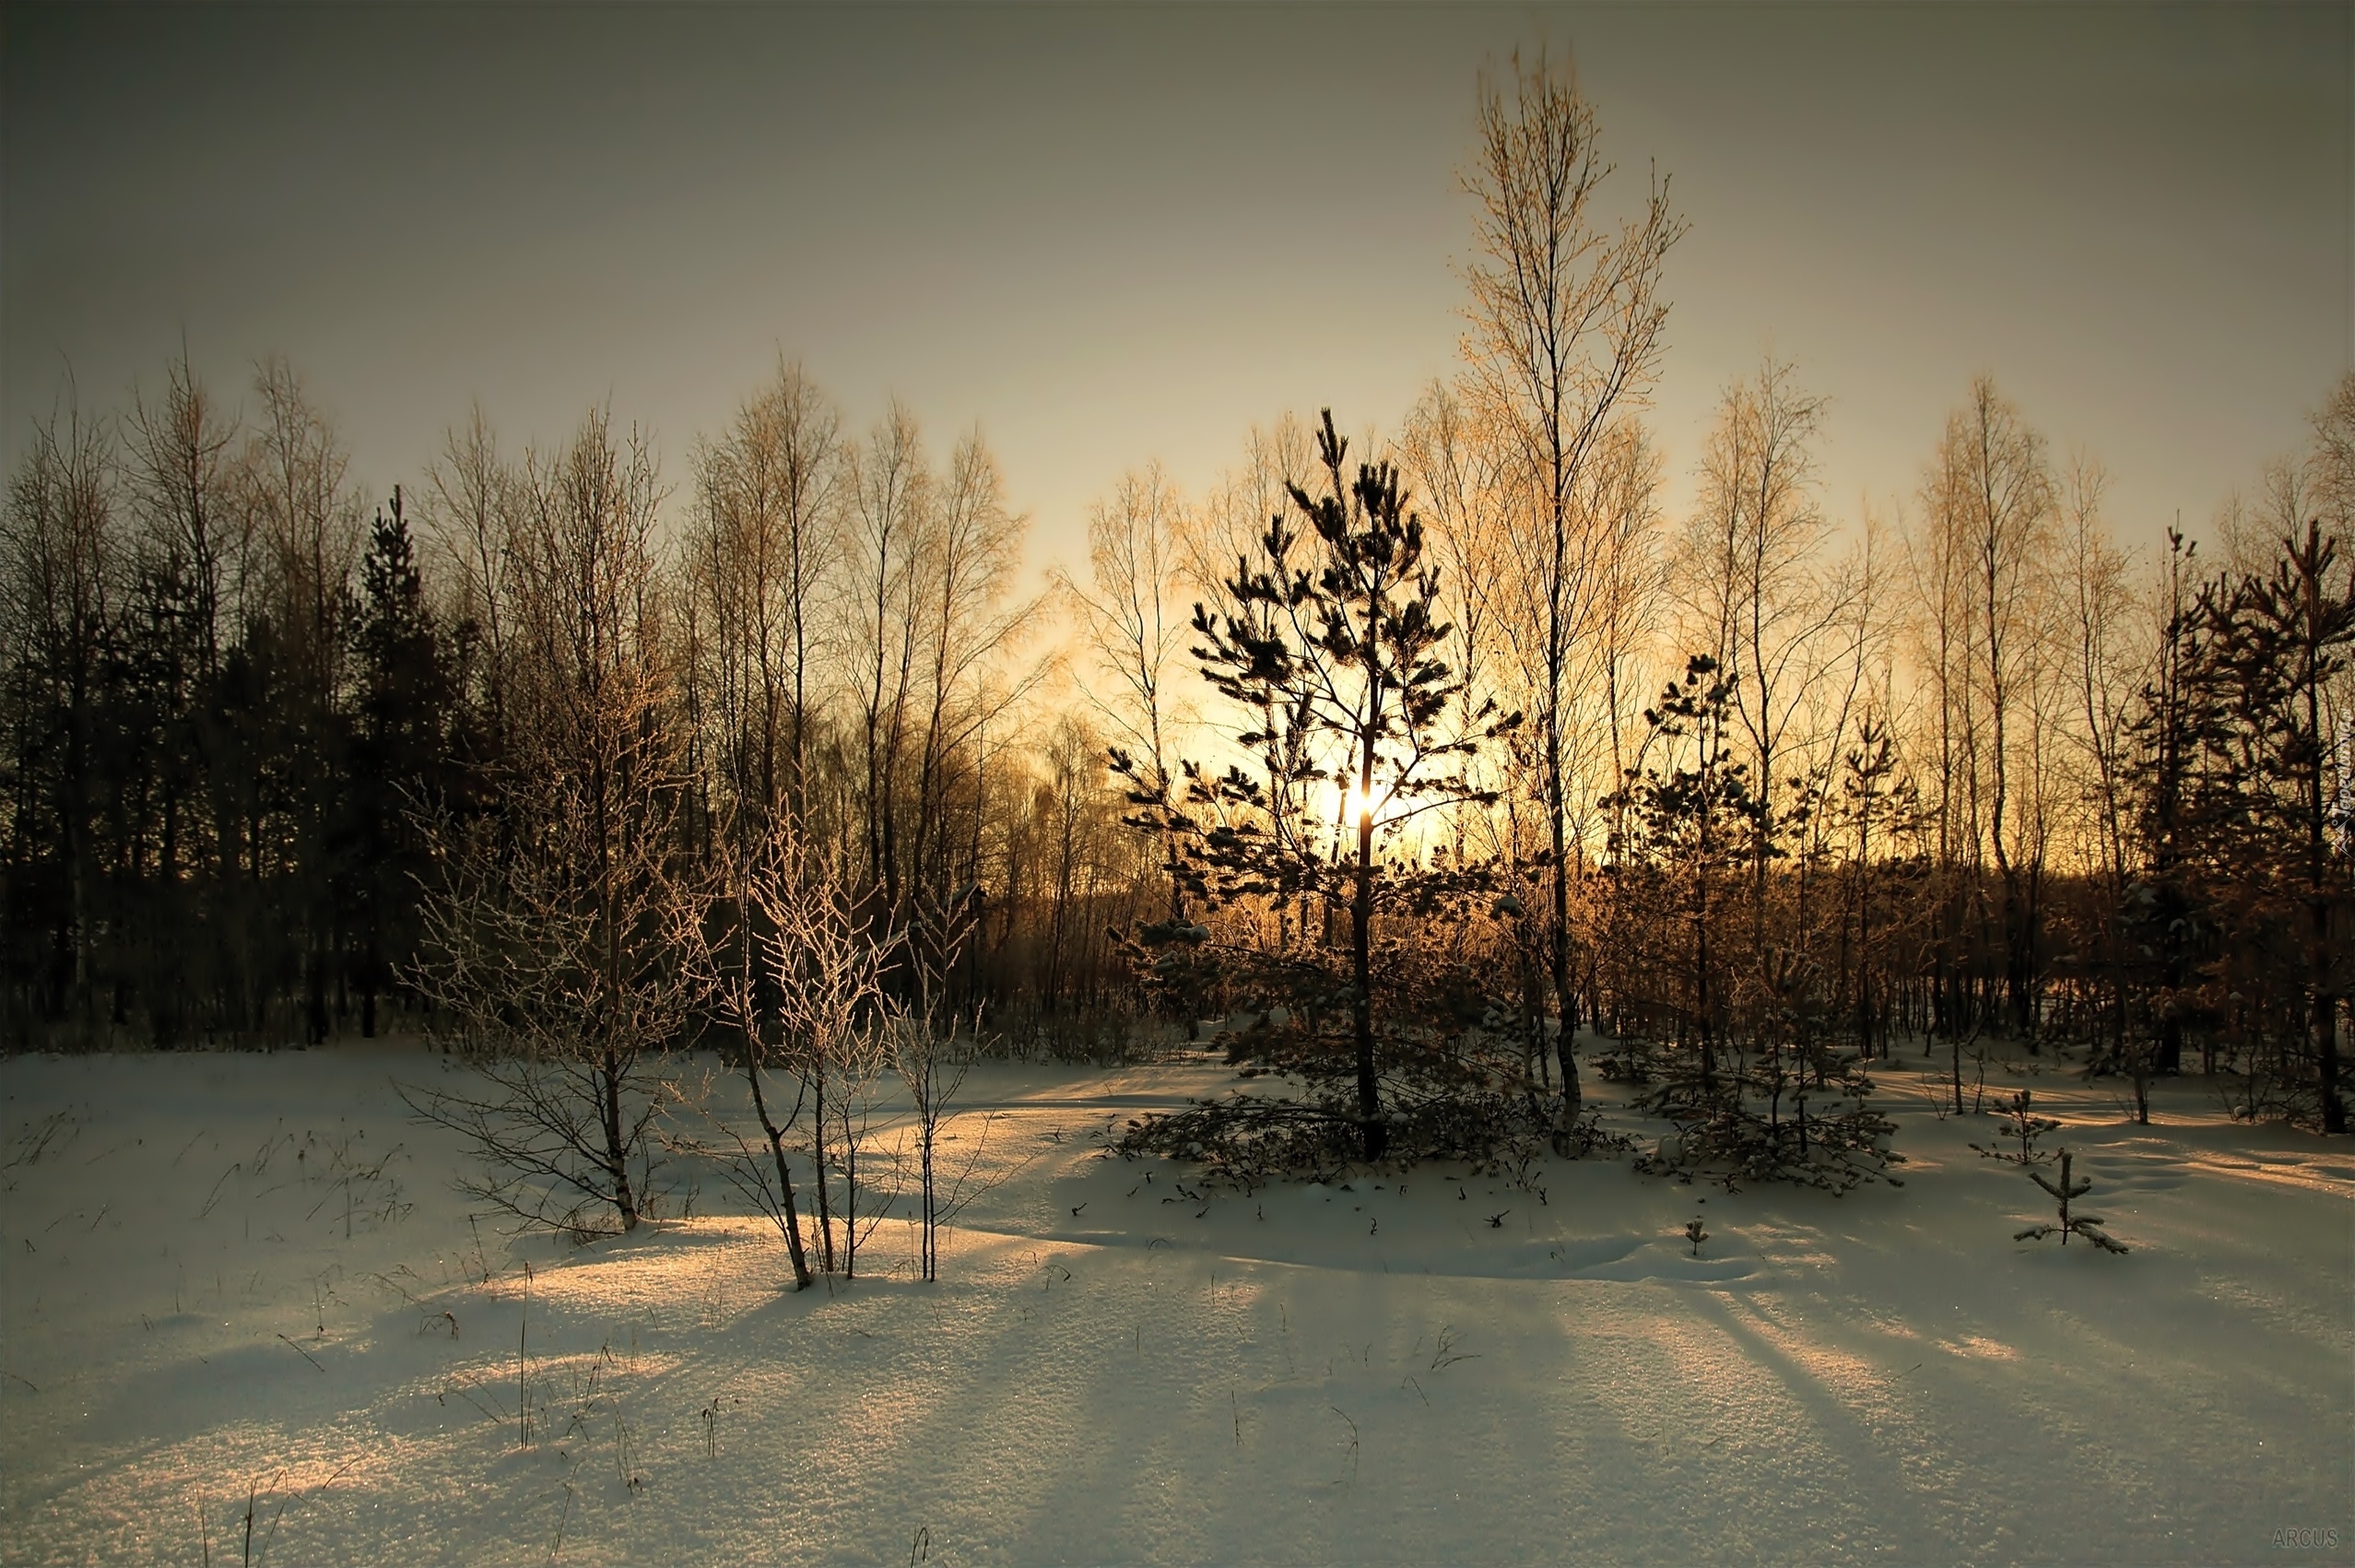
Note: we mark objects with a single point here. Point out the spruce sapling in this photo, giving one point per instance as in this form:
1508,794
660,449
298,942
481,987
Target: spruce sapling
1695,1234
2069,1189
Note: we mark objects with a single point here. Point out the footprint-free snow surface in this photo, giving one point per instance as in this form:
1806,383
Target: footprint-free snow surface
243,1285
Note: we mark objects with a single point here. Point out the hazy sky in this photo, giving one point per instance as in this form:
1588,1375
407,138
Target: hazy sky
1115,233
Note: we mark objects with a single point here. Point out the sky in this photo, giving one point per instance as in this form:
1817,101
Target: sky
1113,234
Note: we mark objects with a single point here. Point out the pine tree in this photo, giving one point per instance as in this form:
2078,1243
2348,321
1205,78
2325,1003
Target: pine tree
1331,650
2285,636
401,758
1690,824
2065,1192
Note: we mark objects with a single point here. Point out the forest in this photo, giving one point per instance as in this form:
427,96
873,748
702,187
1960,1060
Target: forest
1509,979
1417,752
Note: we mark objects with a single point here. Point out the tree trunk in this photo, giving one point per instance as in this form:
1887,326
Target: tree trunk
609,1072
1377,1136
2327,1061
776,1136
1566,1037
817,1157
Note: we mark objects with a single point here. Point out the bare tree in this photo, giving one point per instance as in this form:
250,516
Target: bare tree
1068,802
765,535
552,937
1134,627
474,504
1990,496
1792,632
828,967
812,990
306,520
61,581
1755,583
2331,461
1227,526
1630,578
1452,466
180,473
924,1050
1565,328
2106,623
544,952
966,564
1452,462
891,513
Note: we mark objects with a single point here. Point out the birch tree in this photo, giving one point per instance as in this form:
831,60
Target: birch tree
1134,626
551,940
1565,326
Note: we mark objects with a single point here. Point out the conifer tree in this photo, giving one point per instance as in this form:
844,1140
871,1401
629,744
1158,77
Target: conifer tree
2285,636
2065,1192
404,692
1331,648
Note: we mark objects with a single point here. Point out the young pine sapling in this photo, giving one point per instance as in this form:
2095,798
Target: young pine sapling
2067,1191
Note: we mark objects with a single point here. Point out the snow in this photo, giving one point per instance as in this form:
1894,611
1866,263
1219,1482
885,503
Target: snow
248,1274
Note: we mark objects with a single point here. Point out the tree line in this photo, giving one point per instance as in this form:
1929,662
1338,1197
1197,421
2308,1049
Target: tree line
254,724
1470,744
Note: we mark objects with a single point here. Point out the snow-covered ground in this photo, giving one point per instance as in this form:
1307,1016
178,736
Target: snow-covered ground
234,1278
